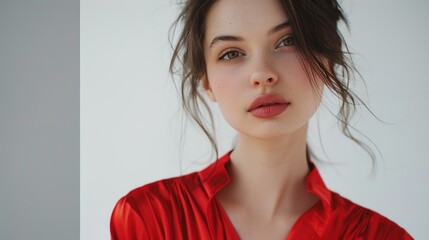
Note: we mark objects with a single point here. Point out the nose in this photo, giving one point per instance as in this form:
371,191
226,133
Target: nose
264,75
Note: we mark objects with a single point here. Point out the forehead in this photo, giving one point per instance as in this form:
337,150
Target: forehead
235,16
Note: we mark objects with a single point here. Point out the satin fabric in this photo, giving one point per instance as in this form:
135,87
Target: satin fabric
183,208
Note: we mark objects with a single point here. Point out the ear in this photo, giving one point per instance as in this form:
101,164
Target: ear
207,88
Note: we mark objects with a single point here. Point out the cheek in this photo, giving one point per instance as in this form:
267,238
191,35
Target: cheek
298,83
225,81
294,75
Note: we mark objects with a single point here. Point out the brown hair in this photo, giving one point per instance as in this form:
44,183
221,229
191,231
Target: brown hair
322,48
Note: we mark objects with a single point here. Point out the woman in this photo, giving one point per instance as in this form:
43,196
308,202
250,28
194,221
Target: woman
265,64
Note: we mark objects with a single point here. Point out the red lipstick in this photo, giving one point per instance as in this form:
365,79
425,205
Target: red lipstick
267,106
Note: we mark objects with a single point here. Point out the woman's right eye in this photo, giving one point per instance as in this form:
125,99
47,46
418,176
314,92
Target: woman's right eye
230,55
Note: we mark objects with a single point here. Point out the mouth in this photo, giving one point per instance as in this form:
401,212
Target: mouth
267,101
268,106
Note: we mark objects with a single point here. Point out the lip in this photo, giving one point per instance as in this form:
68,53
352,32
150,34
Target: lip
266,99
267,106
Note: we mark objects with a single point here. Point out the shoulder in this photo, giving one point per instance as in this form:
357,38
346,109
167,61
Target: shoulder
162,196
162,192
363,222
148,210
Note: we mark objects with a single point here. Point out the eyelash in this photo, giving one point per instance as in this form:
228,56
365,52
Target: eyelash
292,38
222,57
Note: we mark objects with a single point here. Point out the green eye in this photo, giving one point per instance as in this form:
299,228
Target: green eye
288,41
230,55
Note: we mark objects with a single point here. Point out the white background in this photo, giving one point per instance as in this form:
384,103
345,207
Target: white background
130,117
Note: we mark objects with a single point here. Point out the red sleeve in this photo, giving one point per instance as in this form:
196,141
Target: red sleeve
126,221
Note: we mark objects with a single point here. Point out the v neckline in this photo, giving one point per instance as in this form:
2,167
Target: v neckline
236,236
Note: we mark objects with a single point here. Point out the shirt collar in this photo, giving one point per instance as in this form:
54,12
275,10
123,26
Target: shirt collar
215,177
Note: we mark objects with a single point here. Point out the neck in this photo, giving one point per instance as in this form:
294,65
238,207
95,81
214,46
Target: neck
269,174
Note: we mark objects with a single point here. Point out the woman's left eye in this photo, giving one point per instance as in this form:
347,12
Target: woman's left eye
287,41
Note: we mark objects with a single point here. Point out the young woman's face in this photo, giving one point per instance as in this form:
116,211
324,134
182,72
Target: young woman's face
254,71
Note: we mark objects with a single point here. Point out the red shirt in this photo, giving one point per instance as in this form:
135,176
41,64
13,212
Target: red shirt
181,208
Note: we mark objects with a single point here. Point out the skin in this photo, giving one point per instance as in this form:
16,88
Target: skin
267,192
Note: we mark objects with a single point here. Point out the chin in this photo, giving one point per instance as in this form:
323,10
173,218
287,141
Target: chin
268,133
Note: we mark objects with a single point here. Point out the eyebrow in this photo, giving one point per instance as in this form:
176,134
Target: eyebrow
237,38
225,38
279,27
